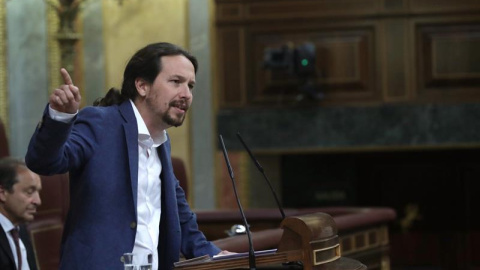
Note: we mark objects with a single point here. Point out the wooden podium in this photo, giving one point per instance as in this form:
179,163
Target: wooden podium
311,240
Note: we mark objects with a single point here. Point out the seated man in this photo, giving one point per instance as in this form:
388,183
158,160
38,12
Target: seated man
19,199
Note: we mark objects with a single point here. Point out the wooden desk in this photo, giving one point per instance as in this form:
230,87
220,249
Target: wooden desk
363,232
310,239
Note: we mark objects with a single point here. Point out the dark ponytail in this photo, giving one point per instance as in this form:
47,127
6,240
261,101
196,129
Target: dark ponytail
112,97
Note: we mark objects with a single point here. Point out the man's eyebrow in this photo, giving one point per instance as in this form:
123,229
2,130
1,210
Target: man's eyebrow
33,187
183,78
179,75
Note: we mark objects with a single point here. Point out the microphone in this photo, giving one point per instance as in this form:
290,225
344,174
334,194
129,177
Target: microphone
251,252
280,208
260,168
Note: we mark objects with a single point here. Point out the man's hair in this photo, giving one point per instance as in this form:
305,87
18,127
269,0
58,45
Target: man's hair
146,64
8,172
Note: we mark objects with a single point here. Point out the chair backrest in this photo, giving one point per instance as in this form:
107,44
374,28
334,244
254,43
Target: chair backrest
4,150
46,237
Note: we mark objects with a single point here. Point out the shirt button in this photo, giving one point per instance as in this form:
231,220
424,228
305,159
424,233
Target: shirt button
133,225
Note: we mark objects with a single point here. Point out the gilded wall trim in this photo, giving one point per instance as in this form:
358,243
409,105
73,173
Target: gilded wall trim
3,67
54,55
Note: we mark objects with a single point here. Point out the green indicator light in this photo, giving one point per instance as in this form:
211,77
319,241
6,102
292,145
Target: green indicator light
304,62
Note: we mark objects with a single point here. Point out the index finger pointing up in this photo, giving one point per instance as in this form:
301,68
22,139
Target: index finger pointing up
66,77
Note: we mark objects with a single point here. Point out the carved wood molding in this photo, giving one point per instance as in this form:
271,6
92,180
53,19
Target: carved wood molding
237,11
244,11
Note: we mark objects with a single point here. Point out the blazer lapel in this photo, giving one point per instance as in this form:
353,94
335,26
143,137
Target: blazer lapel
131,137
166,168
166,186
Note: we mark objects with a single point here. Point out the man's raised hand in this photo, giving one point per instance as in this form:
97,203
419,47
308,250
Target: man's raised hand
66,98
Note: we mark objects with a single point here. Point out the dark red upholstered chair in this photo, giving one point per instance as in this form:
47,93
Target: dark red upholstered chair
4,150
47,227
46,236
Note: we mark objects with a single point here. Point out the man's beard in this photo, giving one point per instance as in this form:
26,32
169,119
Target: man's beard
168,117
175,122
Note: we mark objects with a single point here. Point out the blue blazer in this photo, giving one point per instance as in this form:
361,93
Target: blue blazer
99,149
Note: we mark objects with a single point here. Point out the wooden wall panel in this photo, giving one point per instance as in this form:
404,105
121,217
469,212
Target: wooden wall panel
394,4
231,73
396,59
233,11
345,64
369,52
448,61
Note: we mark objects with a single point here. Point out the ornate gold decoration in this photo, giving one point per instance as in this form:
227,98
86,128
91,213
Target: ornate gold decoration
67,37
3,68
362,240
67,11
412,214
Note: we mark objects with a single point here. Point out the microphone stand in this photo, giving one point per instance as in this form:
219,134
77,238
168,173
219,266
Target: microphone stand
260,168
251,252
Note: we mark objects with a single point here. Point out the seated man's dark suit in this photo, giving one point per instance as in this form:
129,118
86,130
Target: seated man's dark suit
6,256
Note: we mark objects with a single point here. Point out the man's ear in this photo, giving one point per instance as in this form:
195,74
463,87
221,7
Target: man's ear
3,192
142,87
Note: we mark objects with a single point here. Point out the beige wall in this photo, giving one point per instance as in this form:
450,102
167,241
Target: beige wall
131,26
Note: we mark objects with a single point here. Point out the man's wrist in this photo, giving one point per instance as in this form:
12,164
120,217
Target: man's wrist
61,116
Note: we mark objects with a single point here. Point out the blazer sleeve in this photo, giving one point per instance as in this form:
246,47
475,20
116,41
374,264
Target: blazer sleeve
194,243
57,147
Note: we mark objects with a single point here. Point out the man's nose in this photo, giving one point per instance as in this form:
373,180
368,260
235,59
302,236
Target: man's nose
186,92
36,199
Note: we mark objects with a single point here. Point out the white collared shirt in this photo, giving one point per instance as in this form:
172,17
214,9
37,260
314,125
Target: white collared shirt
149,191
7,226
